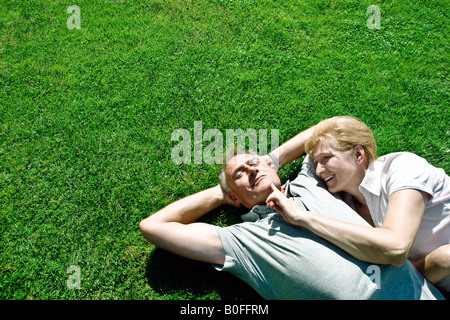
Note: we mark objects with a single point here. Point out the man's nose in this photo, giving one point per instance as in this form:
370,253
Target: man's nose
251,169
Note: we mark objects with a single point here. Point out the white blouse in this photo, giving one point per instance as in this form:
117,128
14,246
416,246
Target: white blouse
402,170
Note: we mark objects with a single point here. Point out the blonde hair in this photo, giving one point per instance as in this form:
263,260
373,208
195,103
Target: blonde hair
348,132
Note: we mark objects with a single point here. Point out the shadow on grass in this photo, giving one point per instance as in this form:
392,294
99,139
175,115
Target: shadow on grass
175,277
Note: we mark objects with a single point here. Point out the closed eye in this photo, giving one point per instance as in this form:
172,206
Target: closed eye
322,159
253,162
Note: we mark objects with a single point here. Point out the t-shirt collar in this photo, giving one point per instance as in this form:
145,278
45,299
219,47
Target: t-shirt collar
372,180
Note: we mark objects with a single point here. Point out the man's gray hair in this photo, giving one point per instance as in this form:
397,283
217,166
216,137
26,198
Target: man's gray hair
229,154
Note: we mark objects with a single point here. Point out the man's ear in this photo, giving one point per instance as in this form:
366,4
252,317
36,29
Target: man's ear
360,154
234,199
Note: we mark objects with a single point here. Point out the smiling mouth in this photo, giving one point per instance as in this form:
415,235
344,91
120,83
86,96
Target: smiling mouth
329,178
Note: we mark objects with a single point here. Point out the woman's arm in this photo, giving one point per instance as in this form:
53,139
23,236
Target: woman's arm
389,244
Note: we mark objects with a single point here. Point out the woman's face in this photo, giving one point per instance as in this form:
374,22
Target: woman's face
341,170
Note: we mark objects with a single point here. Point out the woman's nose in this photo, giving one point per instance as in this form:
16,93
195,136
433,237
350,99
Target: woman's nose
319,168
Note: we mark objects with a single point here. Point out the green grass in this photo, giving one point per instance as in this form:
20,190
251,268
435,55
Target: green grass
87,117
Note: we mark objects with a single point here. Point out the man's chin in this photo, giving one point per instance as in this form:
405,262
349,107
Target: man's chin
254,202
263,191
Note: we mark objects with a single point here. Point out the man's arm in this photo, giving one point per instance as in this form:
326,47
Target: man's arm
291,149
173,228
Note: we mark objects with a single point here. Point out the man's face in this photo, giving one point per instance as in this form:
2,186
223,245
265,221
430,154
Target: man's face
250,179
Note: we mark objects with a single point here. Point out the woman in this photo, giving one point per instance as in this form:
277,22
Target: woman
405,198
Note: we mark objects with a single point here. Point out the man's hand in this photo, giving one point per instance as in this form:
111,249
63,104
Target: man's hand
266,158
288,210
225,198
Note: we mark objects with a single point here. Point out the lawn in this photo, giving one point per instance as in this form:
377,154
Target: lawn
87,116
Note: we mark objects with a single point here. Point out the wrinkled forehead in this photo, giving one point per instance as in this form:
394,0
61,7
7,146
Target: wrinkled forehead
242,158
239,160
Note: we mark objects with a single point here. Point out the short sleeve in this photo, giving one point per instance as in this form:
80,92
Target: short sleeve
409,171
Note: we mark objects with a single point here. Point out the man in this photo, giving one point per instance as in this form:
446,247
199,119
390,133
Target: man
278,260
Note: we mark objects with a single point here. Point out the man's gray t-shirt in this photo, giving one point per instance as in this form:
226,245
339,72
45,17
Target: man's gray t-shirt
282,261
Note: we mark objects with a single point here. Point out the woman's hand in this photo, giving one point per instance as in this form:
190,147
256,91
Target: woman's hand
288,210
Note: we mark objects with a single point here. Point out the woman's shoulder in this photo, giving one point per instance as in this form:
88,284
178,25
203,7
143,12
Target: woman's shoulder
400,155
400,161
407,170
